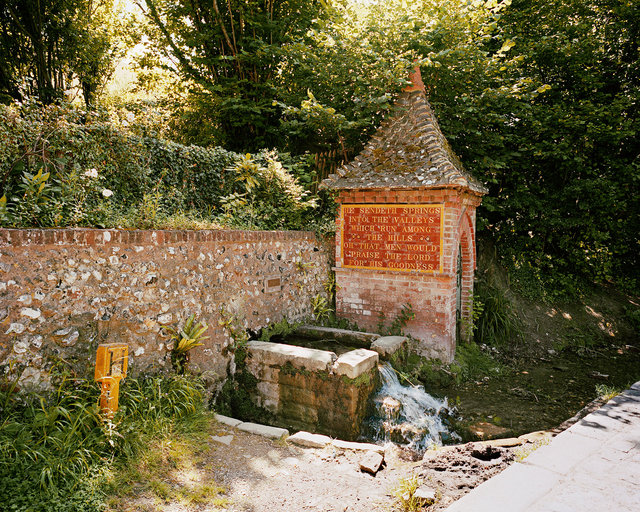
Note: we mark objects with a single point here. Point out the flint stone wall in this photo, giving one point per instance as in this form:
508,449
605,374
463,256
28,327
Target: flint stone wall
64,291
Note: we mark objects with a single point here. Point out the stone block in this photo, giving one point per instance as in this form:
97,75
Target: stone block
309,440
222,439
306,414
264,430
353,338
226,420
269,390
356,362
298,395
280,354
386,346
357,447
263,372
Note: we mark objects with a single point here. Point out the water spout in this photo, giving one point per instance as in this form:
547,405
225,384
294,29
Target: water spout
407,415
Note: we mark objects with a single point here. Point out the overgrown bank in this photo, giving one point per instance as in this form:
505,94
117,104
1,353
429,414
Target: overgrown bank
536,364
62,166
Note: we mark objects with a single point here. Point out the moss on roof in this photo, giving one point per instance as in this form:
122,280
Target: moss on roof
408,151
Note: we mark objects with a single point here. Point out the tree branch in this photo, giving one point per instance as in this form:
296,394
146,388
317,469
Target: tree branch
152,14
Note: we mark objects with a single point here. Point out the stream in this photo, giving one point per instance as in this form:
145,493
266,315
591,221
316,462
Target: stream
539,395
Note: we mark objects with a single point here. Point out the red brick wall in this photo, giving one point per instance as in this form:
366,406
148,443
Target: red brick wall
363,294
63,291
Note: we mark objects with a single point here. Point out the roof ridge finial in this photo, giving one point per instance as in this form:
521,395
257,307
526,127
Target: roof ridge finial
416,80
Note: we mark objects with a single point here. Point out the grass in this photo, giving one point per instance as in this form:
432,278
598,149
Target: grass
404,493
471,362
58,454
171,469
606,392
495,320
522,452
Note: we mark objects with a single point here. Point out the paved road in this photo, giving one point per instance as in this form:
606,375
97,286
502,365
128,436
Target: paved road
592,466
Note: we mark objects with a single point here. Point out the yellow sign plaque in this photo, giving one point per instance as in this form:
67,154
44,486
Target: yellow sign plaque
111,367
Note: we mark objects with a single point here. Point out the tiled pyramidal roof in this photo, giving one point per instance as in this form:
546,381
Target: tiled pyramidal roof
408,151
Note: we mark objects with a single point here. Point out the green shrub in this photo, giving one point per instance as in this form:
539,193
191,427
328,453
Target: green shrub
497,322
62,166
396,328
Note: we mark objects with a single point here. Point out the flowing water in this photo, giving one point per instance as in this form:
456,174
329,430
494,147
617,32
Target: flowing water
408,416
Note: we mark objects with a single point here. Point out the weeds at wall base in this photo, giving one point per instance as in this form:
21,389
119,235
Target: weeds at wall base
470,363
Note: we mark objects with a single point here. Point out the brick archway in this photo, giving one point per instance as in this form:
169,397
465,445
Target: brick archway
467,248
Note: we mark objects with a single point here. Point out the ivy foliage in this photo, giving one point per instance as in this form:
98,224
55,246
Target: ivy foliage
63,166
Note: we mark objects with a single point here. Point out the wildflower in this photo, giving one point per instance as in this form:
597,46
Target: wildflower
91,173
107,193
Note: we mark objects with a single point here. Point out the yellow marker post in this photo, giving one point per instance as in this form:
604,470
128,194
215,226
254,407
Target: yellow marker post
111,368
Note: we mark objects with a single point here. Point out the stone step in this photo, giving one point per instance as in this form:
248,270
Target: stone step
358,447
353,338
263,430
309,440
226,420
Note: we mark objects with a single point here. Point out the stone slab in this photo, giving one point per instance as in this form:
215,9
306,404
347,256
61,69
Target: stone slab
226,420
604,422
356,362
300,357
222,439
534,437
357,447
371,462
357,338
264,430
386,346
309,440
507,442
566,451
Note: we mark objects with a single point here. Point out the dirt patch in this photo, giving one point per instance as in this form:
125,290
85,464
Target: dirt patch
265,476
454,471
262,476
240,472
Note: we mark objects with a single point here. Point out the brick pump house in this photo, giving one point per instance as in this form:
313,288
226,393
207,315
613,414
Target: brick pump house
405,232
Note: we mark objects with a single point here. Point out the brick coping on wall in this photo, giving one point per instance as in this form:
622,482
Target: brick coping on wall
394,272
10,237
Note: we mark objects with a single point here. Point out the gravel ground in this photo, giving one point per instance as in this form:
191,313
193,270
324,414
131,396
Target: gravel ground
266,476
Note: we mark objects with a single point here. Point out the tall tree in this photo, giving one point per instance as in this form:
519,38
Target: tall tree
48,45
554,127
231,51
